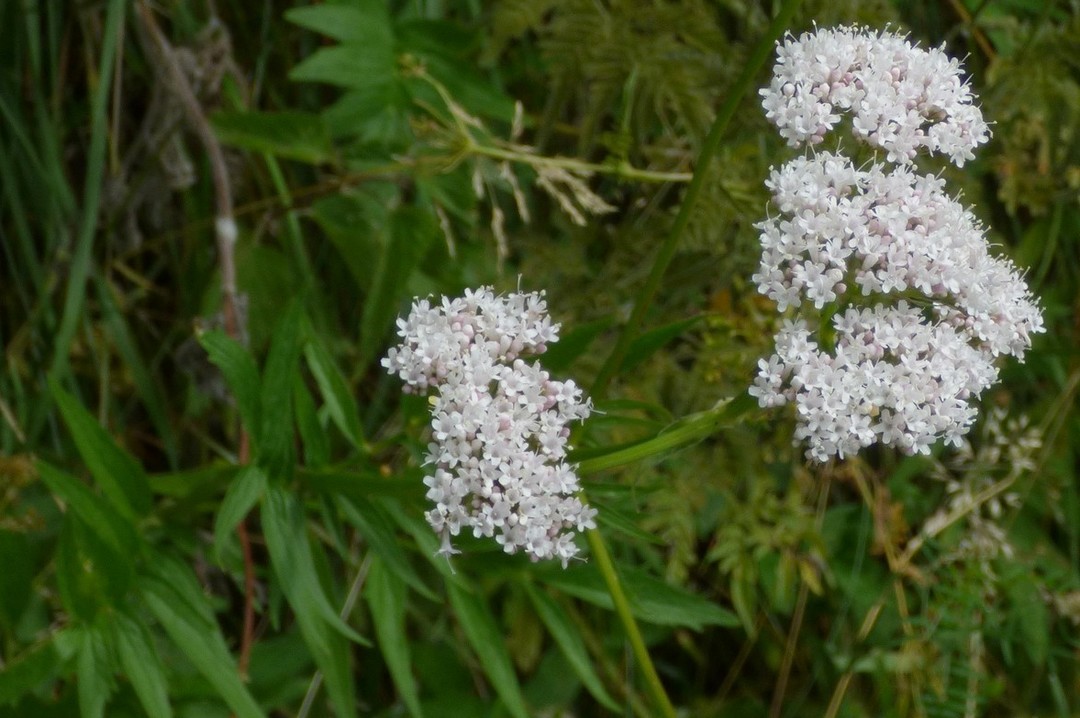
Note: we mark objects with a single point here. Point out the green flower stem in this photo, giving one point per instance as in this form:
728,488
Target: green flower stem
687,430
622,607
667,251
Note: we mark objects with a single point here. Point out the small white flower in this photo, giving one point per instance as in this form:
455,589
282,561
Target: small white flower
500,423
896,373
902,98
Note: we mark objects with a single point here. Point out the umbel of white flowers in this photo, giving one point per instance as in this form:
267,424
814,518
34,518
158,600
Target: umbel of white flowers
499,424
905,370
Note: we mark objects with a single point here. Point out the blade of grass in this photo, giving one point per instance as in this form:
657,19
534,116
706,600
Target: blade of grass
153,398
95,165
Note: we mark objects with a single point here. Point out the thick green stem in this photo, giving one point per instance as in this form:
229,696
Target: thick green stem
633,634
742,86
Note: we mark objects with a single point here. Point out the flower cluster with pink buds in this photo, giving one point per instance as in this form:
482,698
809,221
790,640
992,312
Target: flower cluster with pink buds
500,425
902,99
905,370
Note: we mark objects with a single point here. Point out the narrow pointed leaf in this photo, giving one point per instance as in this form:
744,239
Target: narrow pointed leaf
282,368
322,628
290,554
335,392
386,598
651,599
488,643
568,638
142,666
120,477
291,134
244,492
28,671
93,671
365,22
240,371
146,382
106,522
186,623
411,232
378,529
312,434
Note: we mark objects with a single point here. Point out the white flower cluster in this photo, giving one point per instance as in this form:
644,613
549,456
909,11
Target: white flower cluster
499,424
901,373
902,98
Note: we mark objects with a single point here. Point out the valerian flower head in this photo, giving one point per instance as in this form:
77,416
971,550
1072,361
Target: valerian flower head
902,98
904,370
499,424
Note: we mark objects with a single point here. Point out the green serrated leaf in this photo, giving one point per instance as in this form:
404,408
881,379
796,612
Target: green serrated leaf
114,530
386,597
290,553
312,434
94,670
335,392
323,630
487,641
243,493
276,453
120,477
188,620
291,134
77,595
240,372
364,22
568,638
142,665
371,68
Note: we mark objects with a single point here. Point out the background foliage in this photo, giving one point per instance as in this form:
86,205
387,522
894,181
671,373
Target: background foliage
381,150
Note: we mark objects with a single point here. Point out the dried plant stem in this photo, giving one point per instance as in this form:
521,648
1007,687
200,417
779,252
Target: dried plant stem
868,624
789,652
225,223
623,170
797,617
225,232
740,660
666,253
